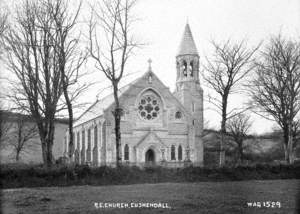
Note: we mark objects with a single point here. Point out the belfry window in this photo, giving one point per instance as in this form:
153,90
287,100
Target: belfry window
184,68
179,152
172,152
126,152
191,66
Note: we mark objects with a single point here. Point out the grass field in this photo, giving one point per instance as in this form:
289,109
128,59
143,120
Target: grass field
202,197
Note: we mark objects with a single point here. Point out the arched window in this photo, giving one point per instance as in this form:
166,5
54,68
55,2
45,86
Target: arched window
150,79
126,152
178,115
172,152
179,152
95,136
78,140
83,139
89,139
191,66
184,68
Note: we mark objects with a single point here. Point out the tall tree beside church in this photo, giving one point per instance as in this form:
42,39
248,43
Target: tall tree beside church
276,88
30,56
111,44
70,57
43,52
225,71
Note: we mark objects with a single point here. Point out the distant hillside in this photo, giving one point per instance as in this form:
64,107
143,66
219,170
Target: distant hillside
266,147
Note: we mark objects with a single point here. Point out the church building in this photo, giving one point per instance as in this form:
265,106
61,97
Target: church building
158,127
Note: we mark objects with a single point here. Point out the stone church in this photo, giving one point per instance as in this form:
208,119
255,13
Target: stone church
158,127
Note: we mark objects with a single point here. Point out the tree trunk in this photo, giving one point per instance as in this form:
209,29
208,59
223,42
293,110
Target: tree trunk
223,130
117,116
47,136
288,145
17,156
70,123
69,104
50,158
44,151
290,150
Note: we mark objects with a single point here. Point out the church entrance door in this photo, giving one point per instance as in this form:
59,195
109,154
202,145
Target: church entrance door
150,157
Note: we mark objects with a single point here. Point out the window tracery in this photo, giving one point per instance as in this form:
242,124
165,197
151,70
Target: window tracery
149,106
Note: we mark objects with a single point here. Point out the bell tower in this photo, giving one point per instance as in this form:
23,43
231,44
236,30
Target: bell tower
187,62
189,92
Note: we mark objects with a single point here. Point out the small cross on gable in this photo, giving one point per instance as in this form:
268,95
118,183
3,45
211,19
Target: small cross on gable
149,69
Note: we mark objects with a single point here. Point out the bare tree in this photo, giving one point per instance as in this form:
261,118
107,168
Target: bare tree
70,58
112,18
228,67
24,136
296,132
238,127
3,26
276,88
30,56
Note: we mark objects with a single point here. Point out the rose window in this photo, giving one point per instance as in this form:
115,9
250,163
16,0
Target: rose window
149,107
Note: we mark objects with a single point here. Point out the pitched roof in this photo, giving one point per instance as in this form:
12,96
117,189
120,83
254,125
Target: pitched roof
187,44
97,109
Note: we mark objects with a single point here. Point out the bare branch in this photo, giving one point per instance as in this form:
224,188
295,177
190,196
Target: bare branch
275,90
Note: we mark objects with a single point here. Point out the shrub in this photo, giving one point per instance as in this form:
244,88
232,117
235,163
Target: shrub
31,176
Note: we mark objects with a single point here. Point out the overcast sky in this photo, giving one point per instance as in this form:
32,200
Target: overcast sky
162,23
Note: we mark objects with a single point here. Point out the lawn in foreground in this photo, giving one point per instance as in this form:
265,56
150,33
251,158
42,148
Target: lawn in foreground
204,197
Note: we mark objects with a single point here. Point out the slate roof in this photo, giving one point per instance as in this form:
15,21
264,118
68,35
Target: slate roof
187,44
97,109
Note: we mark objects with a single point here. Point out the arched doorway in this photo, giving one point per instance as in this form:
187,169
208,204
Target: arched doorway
150,157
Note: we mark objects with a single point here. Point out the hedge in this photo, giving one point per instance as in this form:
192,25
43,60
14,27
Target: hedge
37,176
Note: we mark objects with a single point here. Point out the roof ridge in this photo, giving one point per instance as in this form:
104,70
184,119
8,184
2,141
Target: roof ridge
107,96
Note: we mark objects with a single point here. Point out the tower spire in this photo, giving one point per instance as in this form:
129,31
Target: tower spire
187,45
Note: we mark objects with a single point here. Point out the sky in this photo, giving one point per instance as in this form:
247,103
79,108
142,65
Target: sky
160,26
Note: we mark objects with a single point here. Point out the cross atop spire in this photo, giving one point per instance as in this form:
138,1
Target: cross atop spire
149,66
187,44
